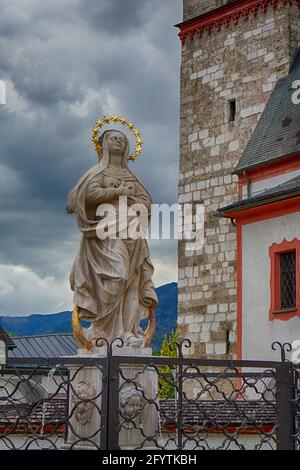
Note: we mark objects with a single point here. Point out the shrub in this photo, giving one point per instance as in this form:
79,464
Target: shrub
166,383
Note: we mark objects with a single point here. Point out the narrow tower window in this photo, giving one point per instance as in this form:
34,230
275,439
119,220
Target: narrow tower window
232,110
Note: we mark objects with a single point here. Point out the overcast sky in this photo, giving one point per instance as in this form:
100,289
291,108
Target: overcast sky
66,63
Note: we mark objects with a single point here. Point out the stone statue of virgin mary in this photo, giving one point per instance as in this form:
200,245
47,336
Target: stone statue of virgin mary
112,277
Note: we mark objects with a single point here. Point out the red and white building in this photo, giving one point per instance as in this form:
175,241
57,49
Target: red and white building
267,218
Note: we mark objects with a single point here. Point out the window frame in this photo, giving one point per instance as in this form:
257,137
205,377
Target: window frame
275,305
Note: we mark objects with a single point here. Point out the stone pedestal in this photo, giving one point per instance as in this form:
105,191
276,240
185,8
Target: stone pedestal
137,418
84,415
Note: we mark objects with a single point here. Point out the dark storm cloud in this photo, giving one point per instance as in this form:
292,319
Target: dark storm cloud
115,16
67,63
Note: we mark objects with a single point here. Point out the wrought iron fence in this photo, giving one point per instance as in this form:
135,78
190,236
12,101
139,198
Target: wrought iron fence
118,401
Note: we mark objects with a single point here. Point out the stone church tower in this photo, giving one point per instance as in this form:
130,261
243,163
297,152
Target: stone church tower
233,53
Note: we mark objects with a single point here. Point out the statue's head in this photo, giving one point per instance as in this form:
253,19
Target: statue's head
100,141
115,141
82,400
130,403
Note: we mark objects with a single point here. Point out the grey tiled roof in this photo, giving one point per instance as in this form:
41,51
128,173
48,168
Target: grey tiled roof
55,345
219,413
277,133
54,410
195,415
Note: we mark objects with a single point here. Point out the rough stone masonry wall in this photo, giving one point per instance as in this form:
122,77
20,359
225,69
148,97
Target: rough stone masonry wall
294,31
243,62
192,8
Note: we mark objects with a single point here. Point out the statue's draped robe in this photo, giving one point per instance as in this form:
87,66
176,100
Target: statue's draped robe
111,278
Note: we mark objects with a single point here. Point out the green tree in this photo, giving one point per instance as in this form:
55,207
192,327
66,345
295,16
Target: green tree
166,378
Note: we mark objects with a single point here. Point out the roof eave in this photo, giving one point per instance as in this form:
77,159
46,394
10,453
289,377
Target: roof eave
229,211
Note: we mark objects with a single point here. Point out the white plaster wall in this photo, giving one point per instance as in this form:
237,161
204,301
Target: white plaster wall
258,332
